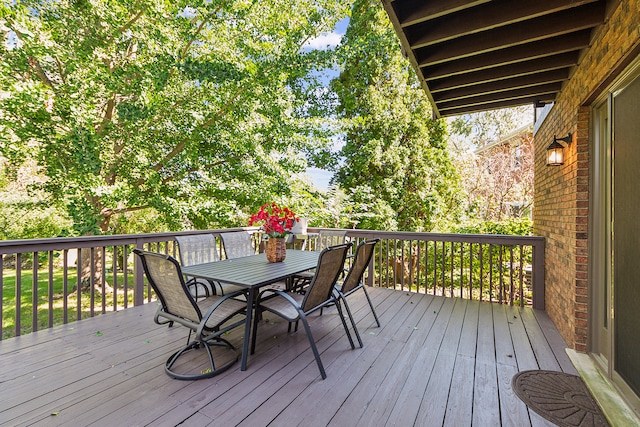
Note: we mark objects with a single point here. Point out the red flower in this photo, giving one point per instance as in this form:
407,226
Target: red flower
275,221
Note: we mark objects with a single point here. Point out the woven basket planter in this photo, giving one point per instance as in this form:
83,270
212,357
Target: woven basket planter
276,249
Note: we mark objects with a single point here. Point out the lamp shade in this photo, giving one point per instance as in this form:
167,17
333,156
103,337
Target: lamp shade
555,154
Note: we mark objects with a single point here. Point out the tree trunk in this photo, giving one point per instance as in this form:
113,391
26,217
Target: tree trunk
93,269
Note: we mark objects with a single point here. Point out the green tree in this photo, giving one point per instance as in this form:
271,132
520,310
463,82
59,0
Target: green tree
395,159
191,110
488,126
495,157
24,214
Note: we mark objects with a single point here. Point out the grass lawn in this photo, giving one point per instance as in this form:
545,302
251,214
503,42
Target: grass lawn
52,313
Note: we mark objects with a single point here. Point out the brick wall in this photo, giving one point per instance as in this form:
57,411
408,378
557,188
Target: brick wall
561,200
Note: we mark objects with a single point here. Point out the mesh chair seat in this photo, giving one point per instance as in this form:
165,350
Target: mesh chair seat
283,306
208,318
224,312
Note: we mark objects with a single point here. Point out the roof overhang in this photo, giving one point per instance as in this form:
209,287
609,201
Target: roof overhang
478,55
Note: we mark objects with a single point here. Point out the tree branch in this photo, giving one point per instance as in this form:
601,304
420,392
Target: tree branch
61,71
193,169
108,114
130,209
33,63
129,23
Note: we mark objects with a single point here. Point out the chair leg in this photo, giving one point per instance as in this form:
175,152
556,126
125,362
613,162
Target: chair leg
353,323
312,343
371,305
208,373
346,328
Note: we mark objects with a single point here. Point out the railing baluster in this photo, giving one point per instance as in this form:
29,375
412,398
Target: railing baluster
114,270
501,273
34,293
452,256
511,290
65,286
51,290
402,264
480,279
395,265
125,279
435,267
461,267
411,266
521,270
418,269
103,278
491,290
444,270
18,294
79,285
471,270
92,285
138,292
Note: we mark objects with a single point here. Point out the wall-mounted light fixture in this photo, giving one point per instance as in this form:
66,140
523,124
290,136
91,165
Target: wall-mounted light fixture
555,150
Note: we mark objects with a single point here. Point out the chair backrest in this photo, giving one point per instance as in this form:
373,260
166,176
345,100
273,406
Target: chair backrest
237,244
165,277
327,238
330,265
197,249
364,252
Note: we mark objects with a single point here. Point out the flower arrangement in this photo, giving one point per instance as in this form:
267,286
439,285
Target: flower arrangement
275,221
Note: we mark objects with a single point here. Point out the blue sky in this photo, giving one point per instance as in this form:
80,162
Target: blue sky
321,177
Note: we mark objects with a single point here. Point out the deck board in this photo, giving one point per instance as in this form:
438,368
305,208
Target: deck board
413,392
485,400
434,361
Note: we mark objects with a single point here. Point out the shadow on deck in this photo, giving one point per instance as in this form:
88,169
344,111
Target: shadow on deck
434,361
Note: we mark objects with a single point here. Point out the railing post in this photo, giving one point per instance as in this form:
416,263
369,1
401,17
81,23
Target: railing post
138,271
538,275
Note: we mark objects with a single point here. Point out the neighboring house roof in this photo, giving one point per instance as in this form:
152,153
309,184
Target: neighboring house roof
478,55
513,138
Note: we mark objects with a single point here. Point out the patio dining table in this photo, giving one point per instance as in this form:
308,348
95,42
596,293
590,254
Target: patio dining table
253,272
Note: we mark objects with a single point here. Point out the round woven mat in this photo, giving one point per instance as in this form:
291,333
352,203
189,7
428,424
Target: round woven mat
559,397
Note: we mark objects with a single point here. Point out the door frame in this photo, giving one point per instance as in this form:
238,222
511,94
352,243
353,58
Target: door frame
601,344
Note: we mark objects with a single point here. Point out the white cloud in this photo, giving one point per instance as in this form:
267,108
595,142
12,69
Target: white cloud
324,41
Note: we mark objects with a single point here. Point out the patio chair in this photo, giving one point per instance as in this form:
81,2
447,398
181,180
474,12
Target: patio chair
237,244
353,282
198,249
296,307
209,318
326,238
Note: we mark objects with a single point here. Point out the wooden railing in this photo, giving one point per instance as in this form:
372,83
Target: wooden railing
44,275
496,268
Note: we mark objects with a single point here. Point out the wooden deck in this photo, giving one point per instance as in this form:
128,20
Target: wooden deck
435,361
